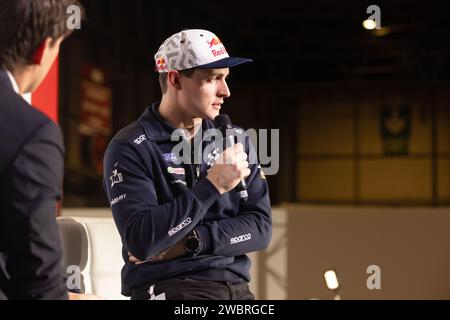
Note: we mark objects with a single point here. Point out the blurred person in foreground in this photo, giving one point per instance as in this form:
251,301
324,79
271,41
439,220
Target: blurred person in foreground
31,152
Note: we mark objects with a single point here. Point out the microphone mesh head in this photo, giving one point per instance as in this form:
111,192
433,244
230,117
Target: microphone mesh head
222,121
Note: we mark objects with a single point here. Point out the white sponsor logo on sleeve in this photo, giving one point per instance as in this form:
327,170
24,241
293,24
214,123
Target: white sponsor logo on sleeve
244,237
118,199
180,227
140,139
116,178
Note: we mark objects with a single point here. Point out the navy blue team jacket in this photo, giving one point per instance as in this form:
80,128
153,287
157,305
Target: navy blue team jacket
156,202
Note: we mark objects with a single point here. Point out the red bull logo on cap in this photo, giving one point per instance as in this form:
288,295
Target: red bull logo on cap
214,43
220,52
161,64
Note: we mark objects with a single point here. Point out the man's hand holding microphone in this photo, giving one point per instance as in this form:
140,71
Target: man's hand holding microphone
230,168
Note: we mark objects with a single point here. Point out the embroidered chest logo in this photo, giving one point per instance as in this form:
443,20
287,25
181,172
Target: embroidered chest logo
178,171
170,157
212,157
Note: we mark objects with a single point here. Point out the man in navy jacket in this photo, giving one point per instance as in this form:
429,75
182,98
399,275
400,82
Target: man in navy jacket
31,152
184,228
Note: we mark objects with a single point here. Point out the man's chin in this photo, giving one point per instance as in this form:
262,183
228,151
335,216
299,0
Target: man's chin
212,115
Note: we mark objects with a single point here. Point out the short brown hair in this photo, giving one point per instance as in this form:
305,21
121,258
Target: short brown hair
163,78
25,24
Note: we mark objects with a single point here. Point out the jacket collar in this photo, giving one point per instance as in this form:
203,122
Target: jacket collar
4,79
156,128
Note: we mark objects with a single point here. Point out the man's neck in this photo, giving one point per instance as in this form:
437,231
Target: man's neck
178,119
22,78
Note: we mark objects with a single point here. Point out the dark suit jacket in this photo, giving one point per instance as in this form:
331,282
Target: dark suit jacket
31,173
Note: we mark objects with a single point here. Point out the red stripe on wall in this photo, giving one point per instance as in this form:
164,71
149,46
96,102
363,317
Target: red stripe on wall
45,98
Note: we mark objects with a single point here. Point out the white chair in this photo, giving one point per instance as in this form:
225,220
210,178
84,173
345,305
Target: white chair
92,249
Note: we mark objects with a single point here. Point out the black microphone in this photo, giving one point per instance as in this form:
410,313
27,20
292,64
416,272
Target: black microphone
223,122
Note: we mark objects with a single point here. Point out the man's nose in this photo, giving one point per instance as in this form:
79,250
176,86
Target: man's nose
223,90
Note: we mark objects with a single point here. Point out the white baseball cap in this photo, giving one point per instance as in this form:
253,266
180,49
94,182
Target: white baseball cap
194,48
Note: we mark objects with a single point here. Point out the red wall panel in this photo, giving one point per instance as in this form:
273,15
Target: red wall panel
45,98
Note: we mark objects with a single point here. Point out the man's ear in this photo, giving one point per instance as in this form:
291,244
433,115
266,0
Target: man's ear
39,53
174,79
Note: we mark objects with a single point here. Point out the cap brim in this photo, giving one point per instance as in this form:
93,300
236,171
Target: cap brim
225,63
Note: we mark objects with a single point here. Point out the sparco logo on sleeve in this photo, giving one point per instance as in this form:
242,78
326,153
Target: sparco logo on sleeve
244,237
181,226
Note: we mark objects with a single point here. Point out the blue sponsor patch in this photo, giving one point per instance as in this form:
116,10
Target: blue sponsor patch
170,157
